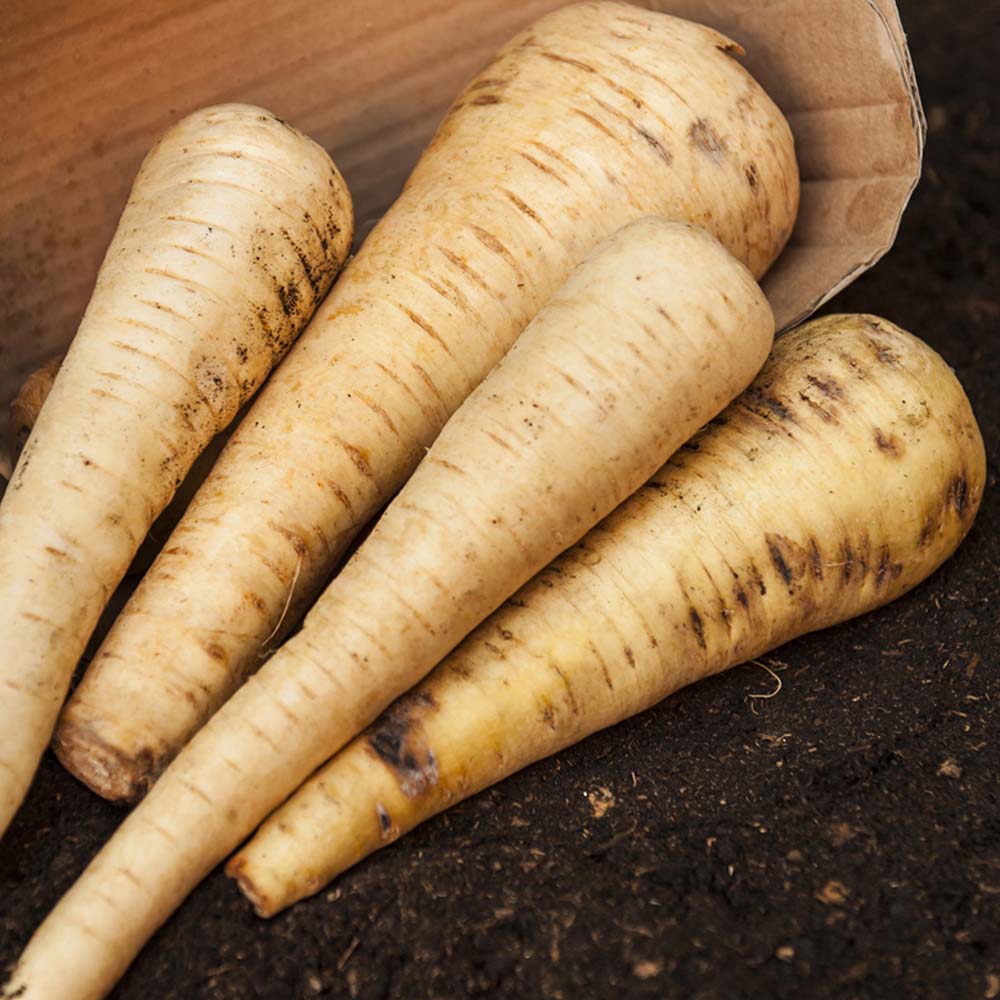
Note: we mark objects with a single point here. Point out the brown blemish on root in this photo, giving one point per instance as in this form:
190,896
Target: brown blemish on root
889,444
705,139
527,210
554,57
384,820
570,694
793,561
597,123
398,741
604,666
418,320
757,579
636,127
554,154
337,490
847,561
117,776
927,532
827,416
883,354
215,651
459,669
463,265
778,408
296,541
548,716
440,290
886,566
541,166
494,245
401,384
487,99
315,279
958,494
731,49
759,399
873,324
496,82
661,151
815,559
289,296
778,560
697,626
750,172
431,386
359,459
864,550
379,411
828,386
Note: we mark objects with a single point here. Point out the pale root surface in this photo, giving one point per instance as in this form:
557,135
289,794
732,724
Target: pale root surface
598,114
844,477
648,338
234,229
24,410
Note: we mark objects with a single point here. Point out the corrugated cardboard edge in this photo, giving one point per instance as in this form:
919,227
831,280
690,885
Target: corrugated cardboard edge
841,73
889,15
369,81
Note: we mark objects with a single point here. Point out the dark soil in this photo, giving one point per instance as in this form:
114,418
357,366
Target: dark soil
841,839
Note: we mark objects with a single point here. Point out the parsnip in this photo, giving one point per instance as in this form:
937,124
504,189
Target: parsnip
846,475
24,412
596,115
648,338
234,229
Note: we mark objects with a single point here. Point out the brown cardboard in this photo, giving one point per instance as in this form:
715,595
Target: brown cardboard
87,85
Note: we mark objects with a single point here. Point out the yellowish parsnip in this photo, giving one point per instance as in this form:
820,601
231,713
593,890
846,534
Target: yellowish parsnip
847,474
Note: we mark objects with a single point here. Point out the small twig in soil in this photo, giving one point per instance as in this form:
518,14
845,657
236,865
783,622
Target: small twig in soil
613,842
766,697
348,951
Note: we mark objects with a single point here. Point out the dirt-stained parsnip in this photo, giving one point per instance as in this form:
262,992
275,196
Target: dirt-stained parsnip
233,231
596,115
849,471
649,337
